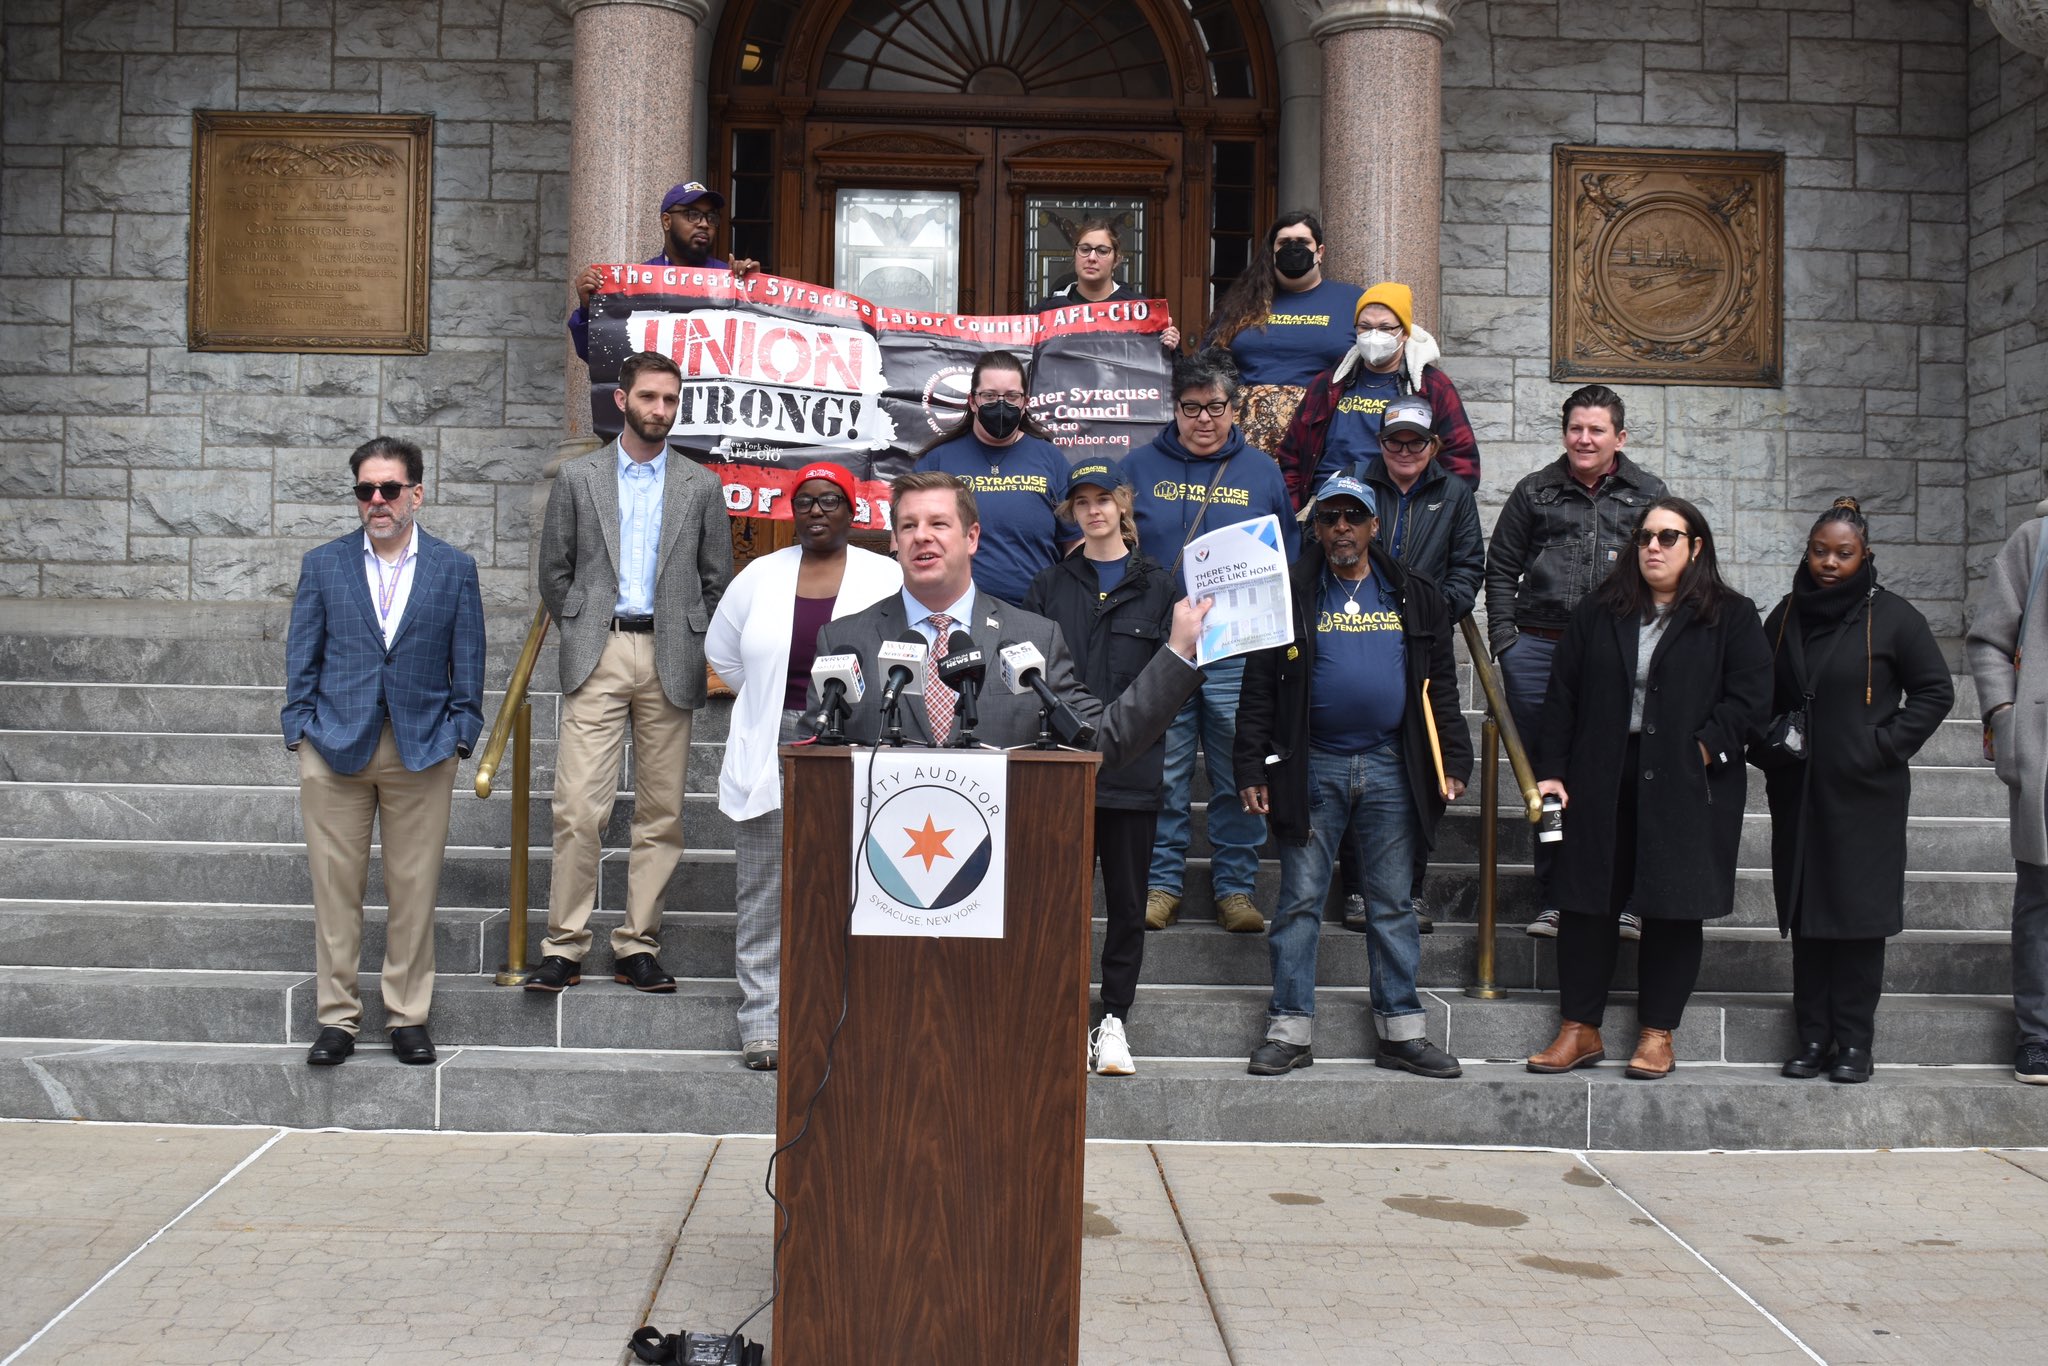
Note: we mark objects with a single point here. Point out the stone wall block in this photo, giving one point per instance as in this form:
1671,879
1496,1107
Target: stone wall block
1931,103
87,530
483,239
61,113
536,33
484,91
1521,120
1906,438
465,528
287,59
498,455
2006,447
1941,515
178,371
1939,251
446,387
1850,353
110,360
122,582
144,179
1690,98
1543,64
35,52
1876,485
1923,573
150,245
133,442
119,25
1753,42
55,257
132,312
530,146
176,85
317,475
61,394
340,376
2002,293
1920,164
1913,21
36,301
1495,326
461,173
313,521
290,421
385,29
1908,301
1830,72
30,469
237,570
1943,390
2026,378
31,349
32,200
498,310
1845,220
1665,21
1820,284
1704,407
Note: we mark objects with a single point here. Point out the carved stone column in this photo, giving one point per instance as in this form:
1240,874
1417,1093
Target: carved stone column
1382,120
2023,23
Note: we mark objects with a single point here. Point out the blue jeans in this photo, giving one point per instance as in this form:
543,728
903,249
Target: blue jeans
1362,799
1525,678
1234,833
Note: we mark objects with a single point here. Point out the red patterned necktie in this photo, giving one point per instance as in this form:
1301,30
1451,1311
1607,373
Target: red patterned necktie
939,700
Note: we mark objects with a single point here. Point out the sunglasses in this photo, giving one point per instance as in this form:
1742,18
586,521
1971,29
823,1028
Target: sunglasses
1668,537
390,488
817,502
1332,516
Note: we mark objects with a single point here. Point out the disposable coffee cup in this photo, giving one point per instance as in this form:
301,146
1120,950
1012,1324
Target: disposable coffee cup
1550,830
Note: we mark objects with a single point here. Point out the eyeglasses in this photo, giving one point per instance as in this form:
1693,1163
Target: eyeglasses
991,396
696,215
1093,250
390,488
1332,516
1668,537
1216,409
817,502
1405,445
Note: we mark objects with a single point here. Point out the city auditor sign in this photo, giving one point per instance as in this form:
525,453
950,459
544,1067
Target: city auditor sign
928,836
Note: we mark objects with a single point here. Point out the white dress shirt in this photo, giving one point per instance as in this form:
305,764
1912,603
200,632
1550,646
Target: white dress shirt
391,589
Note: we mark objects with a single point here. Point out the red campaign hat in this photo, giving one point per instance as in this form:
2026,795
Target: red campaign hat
830,473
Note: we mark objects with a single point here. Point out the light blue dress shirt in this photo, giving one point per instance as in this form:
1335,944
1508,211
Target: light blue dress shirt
639,531
919,615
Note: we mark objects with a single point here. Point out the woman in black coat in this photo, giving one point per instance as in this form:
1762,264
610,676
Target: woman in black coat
1660,682
1863,666
1113,606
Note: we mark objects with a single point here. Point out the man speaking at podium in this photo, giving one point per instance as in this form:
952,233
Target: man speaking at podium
937,528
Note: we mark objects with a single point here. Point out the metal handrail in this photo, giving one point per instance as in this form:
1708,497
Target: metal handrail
515,723
1495,732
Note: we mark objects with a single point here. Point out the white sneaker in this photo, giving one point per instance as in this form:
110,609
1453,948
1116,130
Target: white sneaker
1111,1051
1631,926
1543,926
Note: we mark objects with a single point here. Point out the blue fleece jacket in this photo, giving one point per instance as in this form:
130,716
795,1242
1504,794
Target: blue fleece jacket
1168,483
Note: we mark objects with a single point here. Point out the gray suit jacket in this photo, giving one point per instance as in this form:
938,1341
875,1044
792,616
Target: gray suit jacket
579,567
1124,729
2019,734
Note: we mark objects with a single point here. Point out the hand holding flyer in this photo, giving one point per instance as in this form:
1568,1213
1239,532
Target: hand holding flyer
1244,568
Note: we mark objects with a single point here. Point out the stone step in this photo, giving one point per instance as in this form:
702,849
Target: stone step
1168,1021
564,1091
198,658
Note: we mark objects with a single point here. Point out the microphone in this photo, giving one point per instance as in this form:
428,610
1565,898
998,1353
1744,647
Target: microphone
1023,669
840,685
964,669
902,661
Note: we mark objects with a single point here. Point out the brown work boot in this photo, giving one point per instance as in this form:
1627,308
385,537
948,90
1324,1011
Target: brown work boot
1653,1055
1236,913
1162,908
1576,1045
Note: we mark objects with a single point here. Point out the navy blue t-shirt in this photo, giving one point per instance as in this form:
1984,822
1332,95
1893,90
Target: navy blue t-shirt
1305,334
1110,573
1016,488
1358,692
1353,436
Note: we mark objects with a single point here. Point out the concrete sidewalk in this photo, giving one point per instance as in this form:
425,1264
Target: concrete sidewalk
206,1245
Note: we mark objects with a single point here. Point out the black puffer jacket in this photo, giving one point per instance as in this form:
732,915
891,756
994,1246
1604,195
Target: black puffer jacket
1554,542
1113,638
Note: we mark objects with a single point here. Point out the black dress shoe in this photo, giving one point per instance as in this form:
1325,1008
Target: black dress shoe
1276,1059
1851,1064
332,1047
642,972
1810,1061
409,1043
555,972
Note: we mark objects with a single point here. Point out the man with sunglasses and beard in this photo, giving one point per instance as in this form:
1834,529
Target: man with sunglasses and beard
635,553
384,689
1352,738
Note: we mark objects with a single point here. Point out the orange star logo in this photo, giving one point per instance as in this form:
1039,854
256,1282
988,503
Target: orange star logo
927,844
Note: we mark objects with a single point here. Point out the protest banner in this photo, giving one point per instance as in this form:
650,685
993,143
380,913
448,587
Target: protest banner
778,373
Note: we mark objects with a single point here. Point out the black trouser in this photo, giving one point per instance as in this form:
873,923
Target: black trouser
1123,844
1835,986
1668,958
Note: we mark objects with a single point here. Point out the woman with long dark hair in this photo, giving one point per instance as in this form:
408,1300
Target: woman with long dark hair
1283,324
1661,681
1859,684
999,450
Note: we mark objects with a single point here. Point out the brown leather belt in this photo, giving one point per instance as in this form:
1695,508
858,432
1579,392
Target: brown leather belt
1541,632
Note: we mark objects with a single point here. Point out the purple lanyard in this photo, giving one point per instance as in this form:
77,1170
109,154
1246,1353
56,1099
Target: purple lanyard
387,593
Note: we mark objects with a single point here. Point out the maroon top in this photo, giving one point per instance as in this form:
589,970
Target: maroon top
811,613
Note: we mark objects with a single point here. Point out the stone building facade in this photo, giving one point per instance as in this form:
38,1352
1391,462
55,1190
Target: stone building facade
1916,175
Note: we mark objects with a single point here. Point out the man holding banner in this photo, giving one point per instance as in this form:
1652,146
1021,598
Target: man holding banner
689,215
1352,738
937,531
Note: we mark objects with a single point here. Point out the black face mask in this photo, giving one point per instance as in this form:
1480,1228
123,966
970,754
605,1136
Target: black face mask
1294,259
1000,419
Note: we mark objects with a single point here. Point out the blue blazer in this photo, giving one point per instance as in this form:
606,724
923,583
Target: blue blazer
341,683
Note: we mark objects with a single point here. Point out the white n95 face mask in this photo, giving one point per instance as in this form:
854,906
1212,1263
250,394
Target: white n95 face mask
1377,347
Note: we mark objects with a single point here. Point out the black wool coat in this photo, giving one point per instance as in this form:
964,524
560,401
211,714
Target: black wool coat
1709,684
1113,638
1838,818
1272,741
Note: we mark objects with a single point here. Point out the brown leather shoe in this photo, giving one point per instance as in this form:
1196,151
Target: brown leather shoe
1576,1045
1653,1055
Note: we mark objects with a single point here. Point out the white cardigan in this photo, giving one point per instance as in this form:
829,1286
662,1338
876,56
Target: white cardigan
748,644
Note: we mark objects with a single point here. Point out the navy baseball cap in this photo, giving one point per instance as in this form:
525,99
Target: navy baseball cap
1348,486
1104,474
690,192
1410,413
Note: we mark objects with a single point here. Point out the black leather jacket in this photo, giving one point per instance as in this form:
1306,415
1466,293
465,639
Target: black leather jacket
1554,542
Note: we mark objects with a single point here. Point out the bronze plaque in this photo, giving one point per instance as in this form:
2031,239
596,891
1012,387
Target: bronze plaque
1666,266
310,232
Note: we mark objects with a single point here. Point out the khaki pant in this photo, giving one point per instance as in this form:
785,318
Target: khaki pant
411,813
623,689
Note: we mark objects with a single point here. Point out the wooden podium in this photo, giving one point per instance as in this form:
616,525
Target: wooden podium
935,1204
